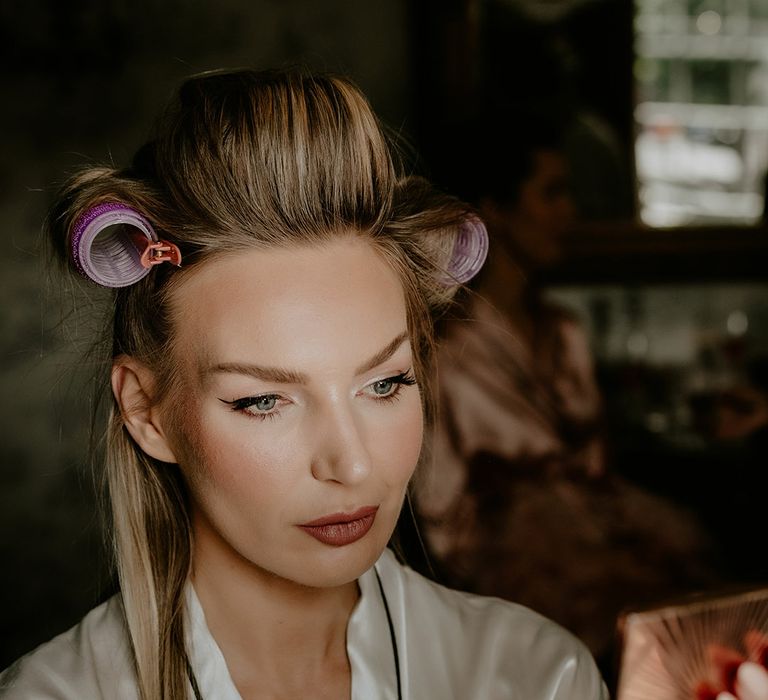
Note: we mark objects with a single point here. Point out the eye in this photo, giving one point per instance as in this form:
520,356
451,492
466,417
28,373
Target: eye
262,406
264,403
383,387
390,387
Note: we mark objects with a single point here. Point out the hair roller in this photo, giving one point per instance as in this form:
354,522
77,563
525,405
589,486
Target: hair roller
115,246
470,250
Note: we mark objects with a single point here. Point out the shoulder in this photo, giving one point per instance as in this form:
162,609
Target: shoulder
489,646
91,660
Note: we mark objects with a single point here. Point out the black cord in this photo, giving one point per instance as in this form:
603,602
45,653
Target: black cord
192,679
392,635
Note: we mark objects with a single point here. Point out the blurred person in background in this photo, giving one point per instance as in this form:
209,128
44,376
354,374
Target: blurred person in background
517,502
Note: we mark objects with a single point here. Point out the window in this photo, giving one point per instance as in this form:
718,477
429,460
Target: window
701,115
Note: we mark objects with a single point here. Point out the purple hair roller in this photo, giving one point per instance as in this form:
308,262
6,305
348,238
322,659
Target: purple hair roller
115,246
470,250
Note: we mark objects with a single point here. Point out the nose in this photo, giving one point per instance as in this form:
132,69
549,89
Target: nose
341,452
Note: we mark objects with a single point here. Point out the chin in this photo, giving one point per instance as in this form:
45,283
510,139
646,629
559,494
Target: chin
328,566
337,568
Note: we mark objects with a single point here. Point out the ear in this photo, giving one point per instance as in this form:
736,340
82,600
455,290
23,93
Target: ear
133,386
491,211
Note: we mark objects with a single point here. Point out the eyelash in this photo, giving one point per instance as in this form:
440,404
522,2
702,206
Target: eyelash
399,380
242,405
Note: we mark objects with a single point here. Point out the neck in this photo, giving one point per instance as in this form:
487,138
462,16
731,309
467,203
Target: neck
277,636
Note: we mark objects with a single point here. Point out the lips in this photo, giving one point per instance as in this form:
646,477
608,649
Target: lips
339,529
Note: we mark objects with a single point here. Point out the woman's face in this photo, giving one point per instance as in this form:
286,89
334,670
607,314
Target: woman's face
298,411
533,227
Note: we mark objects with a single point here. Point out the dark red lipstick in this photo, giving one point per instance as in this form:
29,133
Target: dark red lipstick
339,529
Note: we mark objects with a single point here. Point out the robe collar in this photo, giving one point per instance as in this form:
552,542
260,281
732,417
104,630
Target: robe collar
369,644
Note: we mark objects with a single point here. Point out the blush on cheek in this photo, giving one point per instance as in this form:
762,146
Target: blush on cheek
222,461
184,430
406,449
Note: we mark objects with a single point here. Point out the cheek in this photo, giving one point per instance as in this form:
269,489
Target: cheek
399,443
226,458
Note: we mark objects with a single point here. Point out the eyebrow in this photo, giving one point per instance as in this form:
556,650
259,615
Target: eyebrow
286,376
384,354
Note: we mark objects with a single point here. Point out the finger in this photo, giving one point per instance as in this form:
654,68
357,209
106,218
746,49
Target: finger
727,662
752,682
757,646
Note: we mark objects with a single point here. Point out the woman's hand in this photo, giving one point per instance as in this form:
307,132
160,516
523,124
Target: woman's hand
751,683
740,678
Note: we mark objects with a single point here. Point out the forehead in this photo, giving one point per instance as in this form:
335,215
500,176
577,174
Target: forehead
303,307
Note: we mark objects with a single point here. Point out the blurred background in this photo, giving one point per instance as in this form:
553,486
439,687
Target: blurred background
662,117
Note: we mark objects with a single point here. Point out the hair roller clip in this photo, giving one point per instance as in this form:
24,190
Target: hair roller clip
470,250
115,246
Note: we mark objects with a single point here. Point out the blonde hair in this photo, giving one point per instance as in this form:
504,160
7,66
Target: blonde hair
240,160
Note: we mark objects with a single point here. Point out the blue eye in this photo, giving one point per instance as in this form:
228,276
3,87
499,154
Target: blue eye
262,406
383,387
390,387
265,403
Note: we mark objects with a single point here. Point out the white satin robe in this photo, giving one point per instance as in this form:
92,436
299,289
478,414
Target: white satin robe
450,646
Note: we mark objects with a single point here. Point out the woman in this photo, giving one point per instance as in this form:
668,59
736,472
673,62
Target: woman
519,418
275,283
517,502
